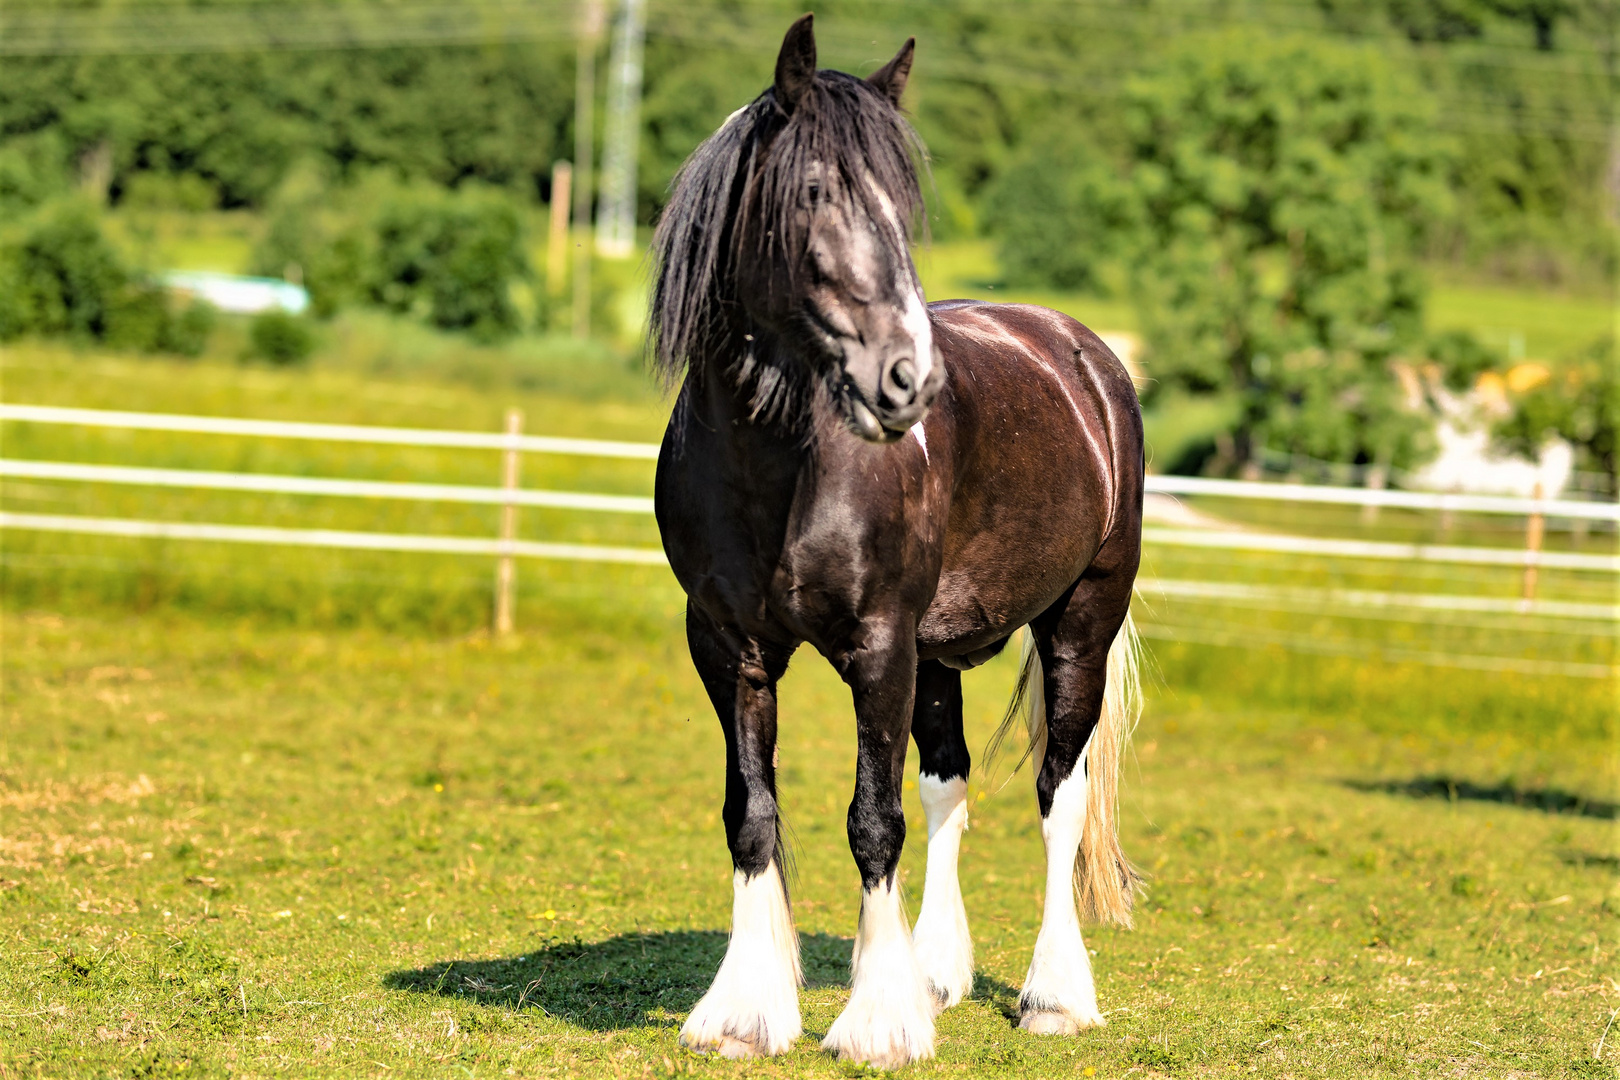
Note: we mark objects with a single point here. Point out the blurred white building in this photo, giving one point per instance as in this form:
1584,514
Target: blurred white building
1467,462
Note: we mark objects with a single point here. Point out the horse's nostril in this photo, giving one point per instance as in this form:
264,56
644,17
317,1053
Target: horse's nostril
903,374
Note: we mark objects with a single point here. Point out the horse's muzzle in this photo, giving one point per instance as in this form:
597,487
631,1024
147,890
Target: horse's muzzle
903,400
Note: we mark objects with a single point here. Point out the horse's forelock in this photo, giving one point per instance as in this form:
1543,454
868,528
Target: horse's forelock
842,124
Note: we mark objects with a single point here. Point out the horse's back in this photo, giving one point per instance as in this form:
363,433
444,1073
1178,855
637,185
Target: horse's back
1046,448
1031,347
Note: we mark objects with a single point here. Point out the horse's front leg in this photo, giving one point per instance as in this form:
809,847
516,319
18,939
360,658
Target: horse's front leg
889,1020
753,1006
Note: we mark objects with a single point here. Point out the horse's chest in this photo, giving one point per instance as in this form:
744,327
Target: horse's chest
782,563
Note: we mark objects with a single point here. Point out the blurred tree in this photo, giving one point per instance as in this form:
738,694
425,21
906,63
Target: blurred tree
1581,405
280,337
62,278
1524,86
454,255
451,257
1462,358
66,279
1271,196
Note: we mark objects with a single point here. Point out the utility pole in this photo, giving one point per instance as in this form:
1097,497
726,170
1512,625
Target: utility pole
590,29
562,186
616,210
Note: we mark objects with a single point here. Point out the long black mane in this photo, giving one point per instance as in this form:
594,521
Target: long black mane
754,169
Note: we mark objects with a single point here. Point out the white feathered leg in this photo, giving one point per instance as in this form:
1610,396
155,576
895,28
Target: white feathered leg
943,945
889,1020
753,1006
1059,996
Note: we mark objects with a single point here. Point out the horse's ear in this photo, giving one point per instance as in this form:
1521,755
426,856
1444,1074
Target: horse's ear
890,79
796,64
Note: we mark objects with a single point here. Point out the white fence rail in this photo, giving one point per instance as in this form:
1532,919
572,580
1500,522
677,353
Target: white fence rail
1445,502
507,548
545,444
270,483
357,433
327,538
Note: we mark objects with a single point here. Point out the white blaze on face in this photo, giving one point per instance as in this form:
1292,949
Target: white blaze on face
915,316
915,320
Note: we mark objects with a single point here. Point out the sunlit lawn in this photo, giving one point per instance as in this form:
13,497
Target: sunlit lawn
269,812
242,849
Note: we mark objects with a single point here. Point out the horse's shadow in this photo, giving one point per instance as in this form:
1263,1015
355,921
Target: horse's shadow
1455,789
628,981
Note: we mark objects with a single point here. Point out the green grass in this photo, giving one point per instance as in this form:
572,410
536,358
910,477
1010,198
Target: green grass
246,850
277,812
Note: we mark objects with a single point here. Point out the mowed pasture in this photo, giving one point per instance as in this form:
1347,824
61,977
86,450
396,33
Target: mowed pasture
276,812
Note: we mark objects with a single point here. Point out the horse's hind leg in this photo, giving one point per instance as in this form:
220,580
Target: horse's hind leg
1087,719
944,947
753,1006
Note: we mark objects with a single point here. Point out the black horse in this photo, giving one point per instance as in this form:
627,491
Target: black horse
904,487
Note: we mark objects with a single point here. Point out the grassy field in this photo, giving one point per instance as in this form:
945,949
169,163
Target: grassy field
270,812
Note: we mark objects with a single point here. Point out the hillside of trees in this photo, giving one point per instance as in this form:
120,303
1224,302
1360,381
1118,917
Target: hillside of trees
1268,182
1518,91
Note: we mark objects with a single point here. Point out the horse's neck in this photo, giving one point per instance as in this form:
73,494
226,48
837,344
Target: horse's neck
763,457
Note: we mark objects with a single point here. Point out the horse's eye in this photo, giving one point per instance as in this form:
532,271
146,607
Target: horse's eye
814,191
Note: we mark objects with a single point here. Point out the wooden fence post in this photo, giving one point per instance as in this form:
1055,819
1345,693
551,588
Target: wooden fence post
1377,478
1533,532
562,182
505,572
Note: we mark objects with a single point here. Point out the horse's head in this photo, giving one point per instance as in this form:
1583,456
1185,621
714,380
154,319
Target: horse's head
818,213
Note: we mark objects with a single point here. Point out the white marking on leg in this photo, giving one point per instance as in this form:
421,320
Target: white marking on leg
889,1020
1059,996
753,1006
944,946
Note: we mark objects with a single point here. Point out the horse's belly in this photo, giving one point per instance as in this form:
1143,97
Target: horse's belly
994,585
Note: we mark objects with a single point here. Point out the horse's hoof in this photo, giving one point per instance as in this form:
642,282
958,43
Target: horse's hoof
887,1060
870,1037
725,1046
1041,1022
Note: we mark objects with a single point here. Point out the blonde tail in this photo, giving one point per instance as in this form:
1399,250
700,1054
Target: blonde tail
1105,882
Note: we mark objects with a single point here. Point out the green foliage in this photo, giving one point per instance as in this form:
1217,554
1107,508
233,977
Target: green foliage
1265,214
312,237
454,254
1581,405
239,120
1063,218
32,170
1462,358
451,257
66,279
281,337
62,278
1525,96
